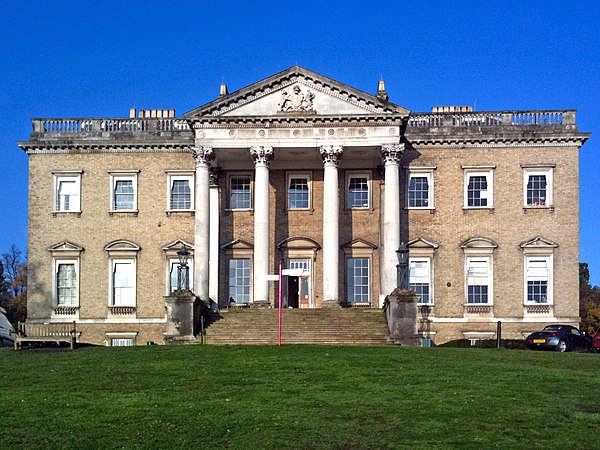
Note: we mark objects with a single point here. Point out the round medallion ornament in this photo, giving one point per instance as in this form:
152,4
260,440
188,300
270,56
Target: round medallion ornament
262,133
232,133
392,131
362,131
296,133
331,132
201,134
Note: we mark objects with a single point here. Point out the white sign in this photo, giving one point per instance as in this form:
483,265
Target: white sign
292,272
271,277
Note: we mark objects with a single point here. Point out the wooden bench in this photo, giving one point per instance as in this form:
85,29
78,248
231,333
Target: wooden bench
45,332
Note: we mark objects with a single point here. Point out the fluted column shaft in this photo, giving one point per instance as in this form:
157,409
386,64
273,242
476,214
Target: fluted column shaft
262,159
331,222
202,223
391,217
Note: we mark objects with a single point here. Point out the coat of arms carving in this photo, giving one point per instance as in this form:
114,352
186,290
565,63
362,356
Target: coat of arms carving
296,100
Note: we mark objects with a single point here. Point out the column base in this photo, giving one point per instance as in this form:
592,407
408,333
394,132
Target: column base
260,304
331,304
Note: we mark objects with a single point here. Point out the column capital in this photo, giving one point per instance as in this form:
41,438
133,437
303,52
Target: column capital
203,155
391,153
331,154
262,156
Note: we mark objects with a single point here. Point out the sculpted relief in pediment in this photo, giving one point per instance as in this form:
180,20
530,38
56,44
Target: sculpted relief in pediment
296,100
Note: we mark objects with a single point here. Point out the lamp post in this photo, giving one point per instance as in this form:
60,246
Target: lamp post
402,266
183,269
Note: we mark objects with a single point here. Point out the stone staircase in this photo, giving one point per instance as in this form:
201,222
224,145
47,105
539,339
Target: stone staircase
258,326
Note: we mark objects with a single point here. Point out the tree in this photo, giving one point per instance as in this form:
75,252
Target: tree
589,301
13,285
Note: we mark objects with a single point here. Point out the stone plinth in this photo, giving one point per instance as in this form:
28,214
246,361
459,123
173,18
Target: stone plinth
180,318
401,315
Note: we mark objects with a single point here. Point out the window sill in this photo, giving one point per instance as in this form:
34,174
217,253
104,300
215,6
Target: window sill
538,309
169,212
122,310
133,212
66,213
479,308
526,209
489,209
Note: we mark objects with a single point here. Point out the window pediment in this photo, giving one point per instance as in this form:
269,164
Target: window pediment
238,244
539,242
479,243
422,243
122,245
176,245
359,244
299,243
65,247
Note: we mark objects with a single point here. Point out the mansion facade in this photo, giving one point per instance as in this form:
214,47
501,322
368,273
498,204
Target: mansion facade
325,178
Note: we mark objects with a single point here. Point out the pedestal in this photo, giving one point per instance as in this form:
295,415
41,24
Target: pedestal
180,318
401,315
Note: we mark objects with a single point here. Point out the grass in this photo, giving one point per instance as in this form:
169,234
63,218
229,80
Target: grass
298,397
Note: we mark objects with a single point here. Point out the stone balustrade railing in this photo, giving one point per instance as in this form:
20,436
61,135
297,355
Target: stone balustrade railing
82,126
492,118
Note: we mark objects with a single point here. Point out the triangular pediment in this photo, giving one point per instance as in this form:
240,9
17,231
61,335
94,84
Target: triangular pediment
297,92
359,244
65,247
539,242
176,245
422,243
237,244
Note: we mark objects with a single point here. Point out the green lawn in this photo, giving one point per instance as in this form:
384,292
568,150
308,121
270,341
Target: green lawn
298,397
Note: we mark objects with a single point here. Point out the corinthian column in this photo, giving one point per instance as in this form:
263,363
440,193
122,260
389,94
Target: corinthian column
214,235
202,225
331,222
391,217
262,159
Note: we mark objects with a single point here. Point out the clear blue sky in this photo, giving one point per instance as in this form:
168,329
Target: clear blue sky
100,58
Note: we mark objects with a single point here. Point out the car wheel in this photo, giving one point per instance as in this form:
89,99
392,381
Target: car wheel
562,346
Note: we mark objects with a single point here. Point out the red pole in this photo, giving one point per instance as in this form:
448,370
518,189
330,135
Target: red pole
279,315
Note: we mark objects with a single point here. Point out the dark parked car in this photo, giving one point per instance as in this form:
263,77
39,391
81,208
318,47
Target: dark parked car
562,338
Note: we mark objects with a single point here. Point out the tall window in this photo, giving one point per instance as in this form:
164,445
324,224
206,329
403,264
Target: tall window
239,192
298,191
239,280
478,281
538,187
180,193
358,191
123,282
420,189
67,191
420,279
123,192
537,274
66,283
357,280
479,189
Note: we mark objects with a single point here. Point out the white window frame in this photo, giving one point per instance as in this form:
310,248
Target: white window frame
489,279
548,172
66,175
111,293
55,296
549,260
230,177
172,264
173,176
303,176
349,176
348,277
250,275
429,262
479,171
126,175
425,172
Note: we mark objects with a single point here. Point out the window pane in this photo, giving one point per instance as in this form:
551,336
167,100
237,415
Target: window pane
418,192
122,342
477,294
123,284
239,280
536,190
68,195
419,279
537,291
357,275
66,284
240,193
298,193
477,191
358,192
124,194
181,194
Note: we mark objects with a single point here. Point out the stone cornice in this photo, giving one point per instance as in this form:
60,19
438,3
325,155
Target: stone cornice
291,121
498,141
48,148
